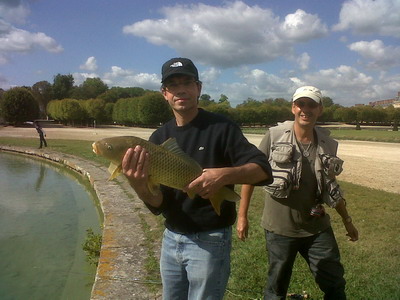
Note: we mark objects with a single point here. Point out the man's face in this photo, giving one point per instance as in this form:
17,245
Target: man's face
182,92
306,111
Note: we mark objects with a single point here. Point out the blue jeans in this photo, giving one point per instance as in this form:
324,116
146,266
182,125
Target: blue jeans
321,253
195,266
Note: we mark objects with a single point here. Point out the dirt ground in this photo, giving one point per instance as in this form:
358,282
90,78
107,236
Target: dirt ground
370,164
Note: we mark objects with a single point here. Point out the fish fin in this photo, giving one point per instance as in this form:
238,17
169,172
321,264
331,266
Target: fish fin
154,188
229,194
114,170
223,194
191,194
216,201
172,146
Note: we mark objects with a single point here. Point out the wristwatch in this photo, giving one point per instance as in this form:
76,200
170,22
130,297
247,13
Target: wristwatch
348,219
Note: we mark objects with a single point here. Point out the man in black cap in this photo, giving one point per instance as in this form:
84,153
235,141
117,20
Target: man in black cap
195,254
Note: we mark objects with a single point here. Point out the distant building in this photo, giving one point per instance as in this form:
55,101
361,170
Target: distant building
385,103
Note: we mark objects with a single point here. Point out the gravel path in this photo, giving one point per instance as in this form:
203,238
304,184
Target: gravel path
371,164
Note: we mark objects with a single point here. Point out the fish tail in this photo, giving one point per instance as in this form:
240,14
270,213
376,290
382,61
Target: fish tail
229,194
216,201
223,194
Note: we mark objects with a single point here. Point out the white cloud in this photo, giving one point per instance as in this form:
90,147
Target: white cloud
14,40
127,78
231,35
90,64
345,85
370,17
18,40
301,27
380,56
387,87
303,61
79,78
210,74
14,11
256,84
342,76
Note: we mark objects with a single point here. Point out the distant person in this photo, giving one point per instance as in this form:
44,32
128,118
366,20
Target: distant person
305,166
42,134
196,246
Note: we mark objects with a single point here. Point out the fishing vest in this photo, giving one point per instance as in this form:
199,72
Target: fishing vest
285,158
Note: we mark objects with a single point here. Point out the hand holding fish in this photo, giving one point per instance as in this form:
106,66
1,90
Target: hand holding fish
135,163
135,166
208,183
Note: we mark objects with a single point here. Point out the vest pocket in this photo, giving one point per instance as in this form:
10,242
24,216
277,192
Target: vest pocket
282,184
282,168
282,153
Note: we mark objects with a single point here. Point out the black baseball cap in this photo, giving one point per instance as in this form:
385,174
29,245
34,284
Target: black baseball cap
179,65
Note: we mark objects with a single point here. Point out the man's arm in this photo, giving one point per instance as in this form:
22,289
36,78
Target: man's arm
347,221
242,226
135,166
211,180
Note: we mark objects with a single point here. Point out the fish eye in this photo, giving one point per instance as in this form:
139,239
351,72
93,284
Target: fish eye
109,147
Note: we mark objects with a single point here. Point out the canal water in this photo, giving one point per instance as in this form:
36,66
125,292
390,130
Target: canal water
45,210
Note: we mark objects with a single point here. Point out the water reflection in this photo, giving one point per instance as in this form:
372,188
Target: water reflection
40,177
44,214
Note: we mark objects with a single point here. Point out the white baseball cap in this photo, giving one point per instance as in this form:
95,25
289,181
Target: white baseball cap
309,92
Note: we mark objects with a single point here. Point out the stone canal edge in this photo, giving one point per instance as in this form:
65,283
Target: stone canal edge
121,272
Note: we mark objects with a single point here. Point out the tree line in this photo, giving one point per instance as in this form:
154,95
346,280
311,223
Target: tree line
93,101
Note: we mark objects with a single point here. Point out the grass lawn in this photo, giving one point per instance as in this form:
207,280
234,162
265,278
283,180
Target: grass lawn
371,264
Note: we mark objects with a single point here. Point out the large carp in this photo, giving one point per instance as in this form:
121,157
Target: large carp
169,165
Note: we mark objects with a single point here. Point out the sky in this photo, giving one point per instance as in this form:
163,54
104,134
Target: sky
256,49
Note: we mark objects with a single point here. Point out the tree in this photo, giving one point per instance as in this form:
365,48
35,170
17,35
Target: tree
205,100
18,105
42,91
72,111
328,113
63,86
126,111
393,115
153,108
282,102
269,114
327,102
250,103
90,88
67,110
348,115
108,109
246,115
223,99
116,93
95,109
54,109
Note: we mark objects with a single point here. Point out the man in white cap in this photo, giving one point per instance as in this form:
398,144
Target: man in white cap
304,165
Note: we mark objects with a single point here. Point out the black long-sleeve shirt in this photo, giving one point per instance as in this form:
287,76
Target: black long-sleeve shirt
214,142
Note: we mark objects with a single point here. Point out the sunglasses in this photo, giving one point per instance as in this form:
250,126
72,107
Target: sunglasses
303,103
174,86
